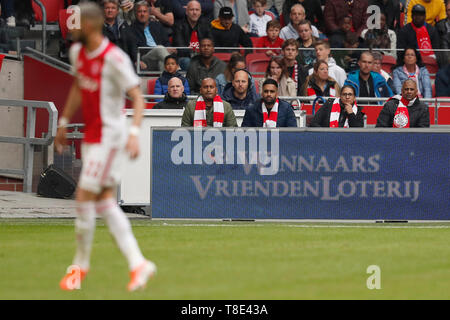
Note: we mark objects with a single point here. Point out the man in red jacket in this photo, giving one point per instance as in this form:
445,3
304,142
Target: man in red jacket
336,10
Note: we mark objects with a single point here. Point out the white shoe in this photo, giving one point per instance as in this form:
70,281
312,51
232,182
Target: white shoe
141,275
11,21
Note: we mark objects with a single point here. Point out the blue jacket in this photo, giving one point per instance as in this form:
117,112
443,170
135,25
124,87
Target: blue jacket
380,85
236,103
161,84
254,116
424,81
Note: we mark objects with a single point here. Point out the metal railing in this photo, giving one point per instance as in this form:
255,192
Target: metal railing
29,141
44,25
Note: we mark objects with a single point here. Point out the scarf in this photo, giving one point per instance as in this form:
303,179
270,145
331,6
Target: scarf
270,121
200,112
415,77
423,40
336,112
401,117
194,42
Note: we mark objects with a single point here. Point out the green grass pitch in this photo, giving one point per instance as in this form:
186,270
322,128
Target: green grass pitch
232,260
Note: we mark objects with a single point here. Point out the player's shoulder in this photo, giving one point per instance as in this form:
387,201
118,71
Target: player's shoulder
74,51
116,56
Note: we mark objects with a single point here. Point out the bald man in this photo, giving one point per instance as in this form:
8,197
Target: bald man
208,110
405,110
104,75
175,97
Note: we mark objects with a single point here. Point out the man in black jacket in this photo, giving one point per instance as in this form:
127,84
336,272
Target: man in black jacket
118,31
416,115
443,28
175,97
188,32
228,34
150,34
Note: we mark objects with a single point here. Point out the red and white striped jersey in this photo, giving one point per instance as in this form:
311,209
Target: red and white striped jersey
104,76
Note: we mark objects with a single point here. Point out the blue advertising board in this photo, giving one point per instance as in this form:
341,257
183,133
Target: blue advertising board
300,174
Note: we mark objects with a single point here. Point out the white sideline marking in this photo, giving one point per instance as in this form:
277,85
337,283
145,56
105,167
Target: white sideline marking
305,226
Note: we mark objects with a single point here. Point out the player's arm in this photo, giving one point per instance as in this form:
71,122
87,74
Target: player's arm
72,104
132,146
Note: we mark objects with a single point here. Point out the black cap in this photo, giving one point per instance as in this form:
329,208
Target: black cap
418,9
226,12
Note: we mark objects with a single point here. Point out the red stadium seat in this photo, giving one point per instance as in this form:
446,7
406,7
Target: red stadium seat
257,62
151,85
431,64
52,8
63,16
224,56
387,63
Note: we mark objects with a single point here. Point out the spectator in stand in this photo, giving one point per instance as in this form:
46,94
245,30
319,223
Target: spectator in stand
382,38
239,10
150,34
180,6
313,11
296,16
259,19
337,39
275,6
348,59
204,65
272,40
336,10
366,82
411,67
443,82
8,13
340,112
306,41
405,110
270,111
228,34
443,28
162,11
277,70
170,70
209,109
323,52
188,31
391,10
240,92
320,83
418,34
117,30
377,67
435,10
237,61
175,97
290,53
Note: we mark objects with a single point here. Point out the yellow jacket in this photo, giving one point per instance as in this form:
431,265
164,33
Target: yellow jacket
435,10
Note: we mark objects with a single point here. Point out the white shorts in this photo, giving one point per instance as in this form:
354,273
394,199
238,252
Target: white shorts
102,166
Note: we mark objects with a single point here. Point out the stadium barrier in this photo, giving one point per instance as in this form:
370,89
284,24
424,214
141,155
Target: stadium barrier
30,141
303,173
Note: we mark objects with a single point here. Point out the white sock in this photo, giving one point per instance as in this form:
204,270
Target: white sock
84,230
120,228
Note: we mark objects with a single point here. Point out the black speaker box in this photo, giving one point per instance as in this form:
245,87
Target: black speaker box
55,183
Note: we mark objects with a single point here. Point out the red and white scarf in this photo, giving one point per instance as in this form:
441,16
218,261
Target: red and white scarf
414,77
336,112
401,117
200,112
194,42
270,121
312,93
423,40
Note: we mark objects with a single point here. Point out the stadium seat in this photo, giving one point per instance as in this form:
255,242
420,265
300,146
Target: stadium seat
388,62
431,64
151,85
257,62
224,56
63,16
52,8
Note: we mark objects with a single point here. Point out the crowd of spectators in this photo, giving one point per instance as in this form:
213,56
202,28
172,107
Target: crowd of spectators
299,37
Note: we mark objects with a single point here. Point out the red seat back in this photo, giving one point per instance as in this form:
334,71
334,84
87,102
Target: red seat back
257,62
151,85
431,64
52,8
224,56
387,63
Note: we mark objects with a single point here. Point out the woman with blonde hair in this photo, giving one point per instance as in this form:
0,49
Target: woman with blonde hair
277,70
319,83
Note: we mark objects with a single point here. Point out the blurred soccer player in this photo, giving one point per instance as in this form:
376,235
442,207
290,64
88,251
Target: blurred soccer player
104,73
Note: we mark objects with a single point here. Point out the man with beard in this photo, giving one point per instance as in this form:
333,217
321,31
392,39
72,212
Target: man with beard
270,112
405,111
